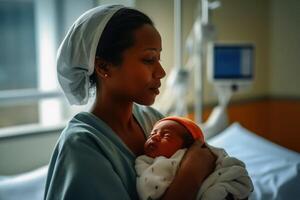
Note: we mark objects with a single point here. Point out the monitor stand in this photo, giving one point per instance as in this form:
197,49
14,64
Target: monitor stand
218,119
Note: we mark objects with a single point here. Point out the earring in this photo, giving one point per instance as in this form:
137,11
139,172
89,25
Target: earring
105,75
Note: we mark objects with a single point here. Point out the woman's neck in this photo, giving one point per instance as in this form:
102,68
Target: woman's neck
117,114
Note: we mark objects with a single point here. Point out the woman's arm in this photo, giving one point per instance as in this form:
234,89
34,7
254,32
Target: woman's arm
196,165
81,171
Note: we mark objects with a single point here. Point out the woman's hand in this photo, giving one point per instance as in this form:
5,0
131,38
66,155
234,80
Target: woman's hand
196,165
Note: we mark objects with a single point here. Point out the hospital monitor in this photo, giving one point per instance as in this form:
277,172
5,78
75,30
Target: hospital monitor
231,64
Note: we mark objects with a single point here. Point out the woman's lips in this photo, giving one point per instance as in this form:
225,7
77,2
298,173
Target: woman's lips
155,90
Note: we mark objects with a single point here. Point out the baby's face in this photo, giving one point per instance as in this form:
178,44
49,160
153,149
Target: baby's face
165,139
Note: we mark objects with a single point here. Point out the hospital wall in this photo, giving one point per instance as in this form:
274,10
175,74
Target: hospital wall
272,106
246,21
235,21
284,48
271,25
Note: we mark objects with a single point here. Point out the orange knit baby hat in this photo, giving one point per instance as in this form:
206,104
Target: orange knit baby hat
191,126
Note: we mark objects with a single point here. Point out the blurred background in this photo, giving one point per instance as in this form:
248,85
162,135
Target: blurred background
33,111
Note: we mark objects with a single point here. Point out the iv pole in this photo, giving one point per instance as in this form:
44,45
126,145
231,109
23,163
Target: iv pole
179,76
204,33
177,37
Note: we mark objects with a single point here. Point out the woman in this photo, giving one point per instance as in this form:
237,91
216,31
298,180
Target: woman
118,50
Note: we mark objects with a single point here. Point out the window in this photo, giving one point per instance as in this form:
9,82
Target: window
28,86
18,54
18,68
30,33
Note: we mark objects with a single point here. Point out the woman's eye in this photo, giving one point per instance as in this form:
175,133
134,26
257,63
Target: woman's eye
149,61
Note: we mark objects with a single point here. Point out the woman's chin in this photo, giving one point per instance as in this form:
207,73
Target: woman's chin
146,101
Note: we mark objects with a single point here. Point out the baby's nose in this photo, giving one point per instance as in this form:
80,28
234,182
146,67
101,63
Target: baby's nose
156,138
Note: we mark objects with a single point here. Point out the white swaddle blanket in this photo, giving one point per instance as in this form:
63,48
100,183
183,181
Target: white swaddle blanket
154,175
229,177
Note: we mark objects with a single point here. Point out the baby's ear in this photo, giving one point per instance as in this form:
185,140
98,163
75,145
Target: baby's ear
101,67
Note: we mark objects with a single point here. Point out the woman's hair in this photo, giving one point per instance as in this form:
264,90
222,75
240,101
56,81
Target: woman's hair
118,35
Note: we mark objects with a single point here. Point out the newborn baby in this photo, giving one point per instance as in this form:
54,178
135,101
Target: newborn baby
164,149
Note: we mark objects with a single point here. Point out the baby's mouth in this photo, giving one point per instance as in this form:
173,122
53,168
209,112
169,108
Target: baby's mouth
151,145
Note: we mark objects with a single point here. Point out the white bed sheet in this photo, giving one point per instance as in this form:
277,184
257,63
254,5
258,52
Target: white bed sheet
275,170
25,186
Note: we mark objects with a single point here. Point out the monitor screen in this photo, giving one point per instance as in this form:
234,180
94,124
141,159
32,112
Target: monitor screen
232,62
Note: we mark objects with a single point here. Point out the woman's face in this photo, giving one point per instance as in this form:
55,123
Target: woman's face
137,79
165,139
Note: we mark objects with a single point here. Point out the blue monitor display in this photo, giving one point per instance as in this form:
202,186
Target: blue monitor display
233,62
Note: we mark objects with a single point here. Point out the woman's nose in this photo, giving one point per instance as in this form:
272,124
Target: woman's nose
159,72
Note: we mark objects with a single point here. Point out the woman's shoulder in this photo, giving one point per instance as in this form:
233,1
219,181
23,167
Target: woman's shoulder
81,122
88,131
83,128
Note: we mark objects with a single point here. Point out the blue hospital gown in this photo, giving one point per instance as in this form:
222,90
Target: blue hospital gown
91,162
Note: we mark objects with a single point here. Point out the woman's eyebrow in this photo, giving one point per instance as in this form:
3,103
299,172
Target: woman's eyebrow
153,49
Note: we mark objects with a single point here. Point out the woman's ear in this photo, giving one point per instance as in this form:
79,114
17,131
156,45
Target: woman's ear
101,68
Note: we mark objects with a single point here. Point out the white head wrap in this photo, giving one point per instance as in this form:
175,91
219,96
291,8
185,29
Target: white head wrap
76,54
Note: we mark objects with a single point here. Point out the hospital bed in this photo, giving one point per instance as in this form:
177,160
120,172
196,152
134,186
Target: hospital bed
275,170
